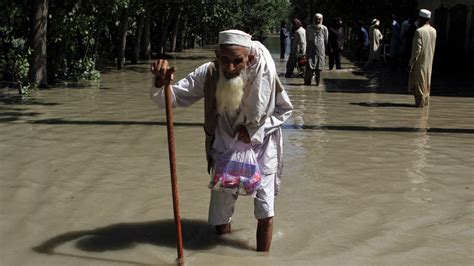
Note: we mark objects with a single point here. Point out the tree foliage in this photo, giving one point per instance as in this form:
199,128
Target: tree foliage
352,10
15,53
85,35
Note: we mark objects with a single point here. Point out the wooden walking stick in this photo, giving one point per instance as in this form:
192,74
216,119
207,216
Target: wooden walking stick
172,157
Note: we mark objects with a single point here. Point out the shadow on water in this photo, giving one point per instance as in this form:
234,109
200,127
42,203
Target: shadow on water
138,69
59,121
391,85
10,114
285,126
9,99
3,108
297,84
375,104
360,86
358,73
386,80
381,129
197,235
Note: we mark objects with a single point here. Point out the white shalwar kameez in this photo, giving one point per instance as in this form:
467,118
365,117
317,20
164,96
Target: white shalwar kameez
262,111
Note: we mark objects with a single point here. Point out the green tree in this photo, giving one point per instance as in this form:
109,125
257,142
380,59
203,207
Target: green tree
15,53
84,35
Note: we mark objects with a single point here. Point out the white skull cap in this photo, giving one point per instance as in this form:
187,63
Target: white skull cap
424,13
235,37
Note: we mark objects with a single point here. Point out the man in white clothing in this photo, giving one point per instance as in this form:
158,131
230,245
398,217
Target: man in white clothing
243,99
375,40
421,60
317,37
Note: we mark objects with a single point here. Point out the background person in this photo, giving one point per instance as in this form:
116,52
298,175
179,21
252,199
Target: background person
362,43
284,35
375,39
298,46
336,43
317,40
395,43
421,61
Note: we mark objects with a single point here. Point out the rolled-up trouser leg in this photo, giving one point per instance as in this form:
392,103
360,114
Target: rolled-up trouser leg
290,65
308,75
421,98
317,76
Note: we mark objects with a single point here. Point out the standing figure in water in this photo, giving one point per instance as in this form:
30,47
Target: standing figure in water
317,39
284,35
297,46
421,61
244,100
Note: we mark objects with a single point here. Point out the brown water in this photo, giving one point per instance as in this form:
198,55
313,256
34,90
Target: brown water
368,179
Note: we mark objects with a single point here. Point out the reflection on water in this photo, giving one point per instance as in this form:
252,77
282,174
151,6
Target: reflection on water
357,166
320,120
419,190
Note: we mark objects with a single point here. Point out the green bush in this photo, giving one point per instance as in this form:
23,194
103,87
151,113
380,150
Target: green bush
84,69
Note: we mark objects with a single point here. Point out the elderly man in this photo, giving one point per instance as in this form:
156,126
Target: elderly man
317,39
421,61
243,99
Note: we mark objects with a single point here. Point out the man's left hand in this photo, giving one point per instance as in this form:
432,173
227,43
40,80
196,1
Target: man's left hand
243,134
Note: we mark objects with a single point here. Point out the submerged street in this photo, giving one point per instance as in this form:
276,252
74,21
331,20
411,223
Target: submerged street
368,178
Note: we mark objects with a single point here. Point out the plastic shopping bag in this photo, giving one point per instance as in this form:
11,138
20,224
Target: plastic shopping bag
237,171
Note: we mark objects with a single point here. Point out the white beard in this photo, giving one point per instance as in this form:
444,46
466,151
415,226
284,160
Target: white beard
229,93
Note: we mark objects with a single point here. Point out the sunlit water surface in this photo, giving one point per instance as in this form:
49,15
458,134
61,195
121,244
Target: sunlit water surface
368,179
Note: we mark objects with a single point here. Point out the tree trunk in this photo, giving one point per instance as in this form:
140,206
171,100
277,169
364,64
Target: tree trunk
146,48
96,42
164,31
122,39
182,36
59,68
174,37
38,68
161,36
138,38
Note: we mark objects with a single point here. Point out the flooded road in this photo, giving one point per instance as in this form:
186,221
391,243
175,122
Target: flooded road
368,178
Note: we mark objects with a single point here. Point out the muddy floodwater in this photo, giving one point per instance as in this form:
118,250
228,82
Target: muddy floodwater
368,178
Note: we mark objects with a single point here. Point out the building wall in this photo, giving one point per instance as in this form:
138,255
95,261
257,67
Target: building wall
454,23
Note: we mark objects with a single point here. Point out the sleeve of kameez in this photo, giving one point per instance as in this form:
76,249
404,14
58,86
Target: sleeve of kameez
416,49
283,110
257,104
326,37
185,92
303,42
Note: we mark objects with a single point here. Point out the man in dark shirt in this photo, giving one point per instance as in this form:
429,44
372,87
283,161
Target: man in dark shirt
284,35
336,43
362,43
